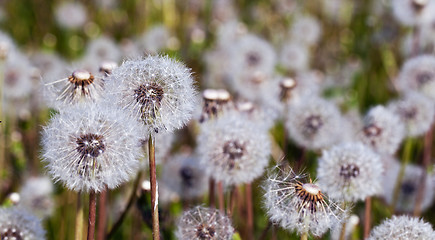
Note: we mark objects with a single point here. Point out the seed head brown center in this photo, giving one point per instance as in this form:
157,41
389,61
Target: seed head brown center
91,145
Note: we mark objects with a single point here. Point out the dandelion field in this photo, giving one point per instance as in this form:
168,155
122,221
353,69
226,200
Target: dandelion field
217,119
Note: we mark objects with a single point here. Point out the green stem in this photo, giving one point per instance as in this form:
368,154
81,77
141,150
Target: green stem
79,218
304,236
154,196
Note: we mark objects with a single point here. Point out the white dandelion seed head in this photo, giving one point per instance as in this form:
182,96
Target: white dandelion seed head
106,67
88,147
18,77
299,205
252,63
70,15
156,90
350,172
17,223
15,198
383,130
263,116
102,49
37,196
184,175
233,149
313,123
286,7
201,223
229,32
306,30
223,10
154,39
402,228
294,56
79,87
416,111
408,187
418,73
50,65
413,12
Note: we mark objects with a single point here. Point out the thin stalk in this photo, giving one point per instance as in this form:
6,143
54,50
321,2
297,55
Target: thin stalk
2,124
92,214
211,193
131,200
79,218
304,236
405,161
367,217
101,229
343,231
265,231
221,201
428,139
154,195
249,211
415,41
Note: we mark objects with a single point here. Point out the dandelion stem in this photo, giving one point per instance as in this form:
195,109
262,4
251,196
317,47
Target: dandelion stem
79,218
367,217
304,236
249,211
131,200
405,161
428,139
2,125
220,190
265,231
154,196
92,214
415,41
211,193
101,231
343,231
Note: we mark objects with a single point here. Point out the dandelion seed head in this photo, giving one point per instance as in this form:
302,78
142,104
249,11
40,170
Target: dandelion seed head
156,90
416,111
418,74
350,171
106,67
413,12
37,197
299,205
88,147
16,223
185,176
200,223
408,188
70,15
402,228
306,30
383,130
294,56
231,151
313,123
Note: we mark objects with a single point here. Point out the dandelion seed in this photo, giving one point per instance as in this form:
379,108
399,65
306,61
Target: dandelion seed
350,172
299,205
156,90
233,149
382,130
88,147
202,223
16,223
416,111
106,67
18,75
403,228
313,123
